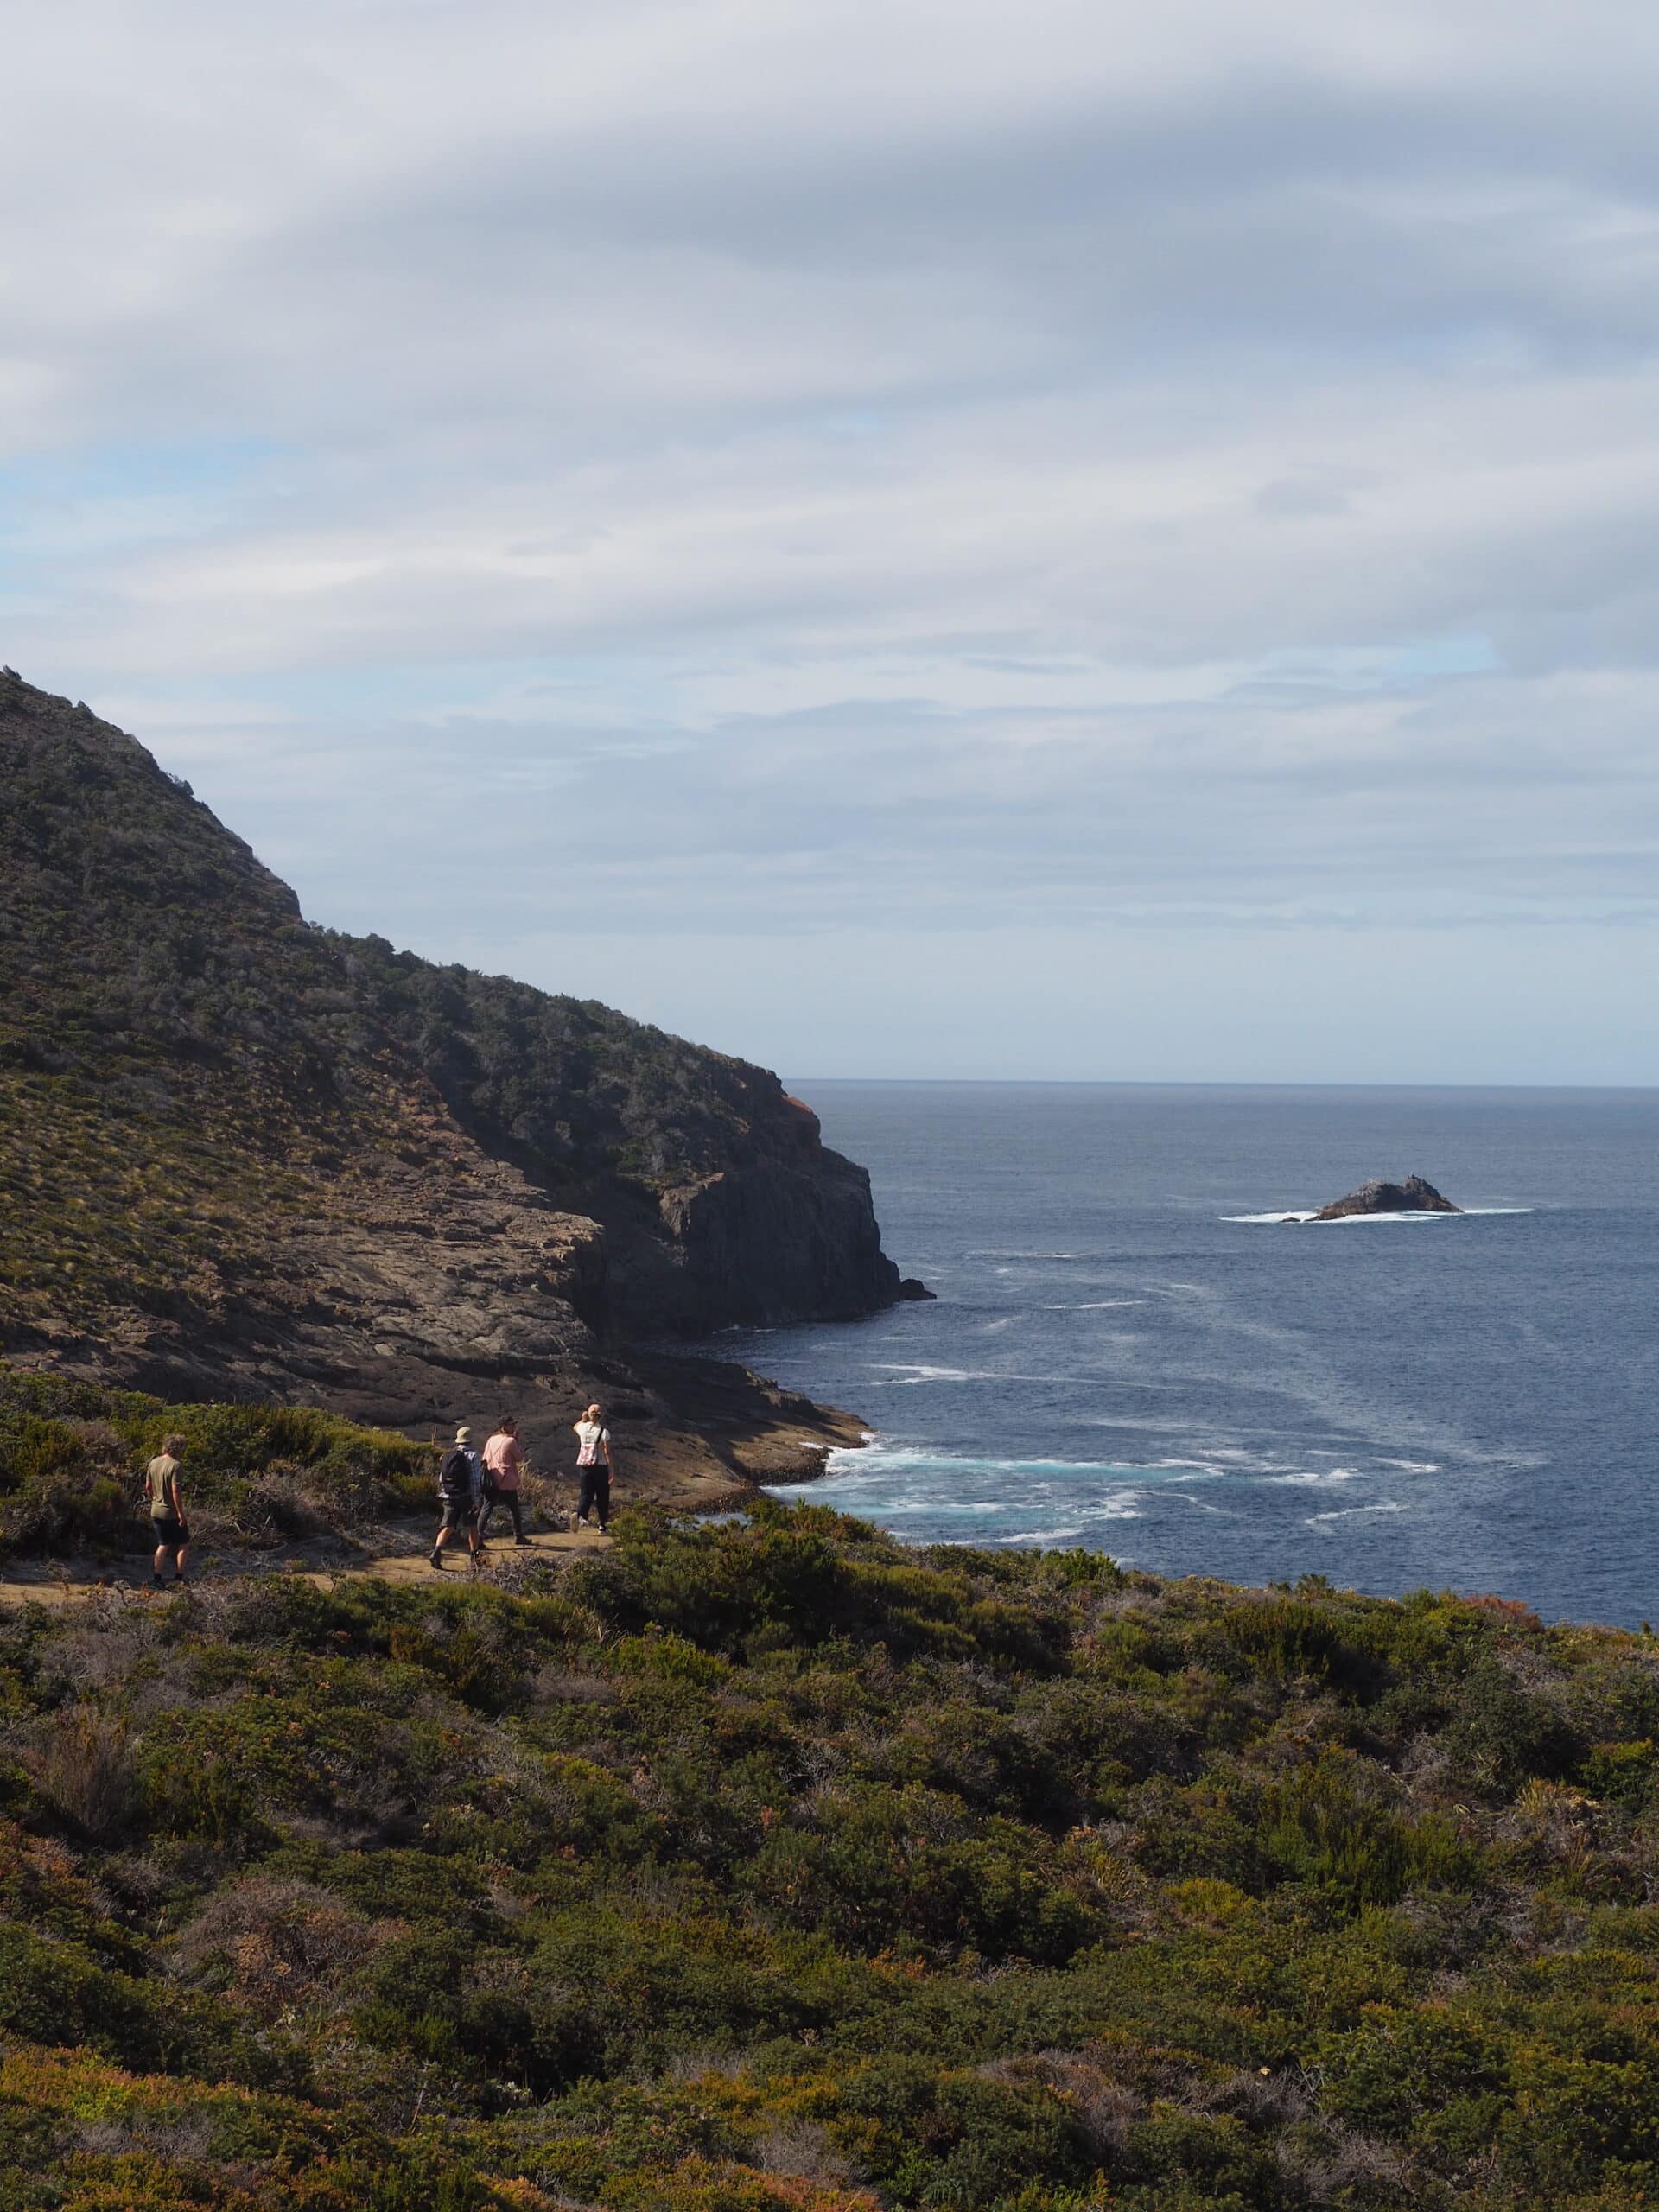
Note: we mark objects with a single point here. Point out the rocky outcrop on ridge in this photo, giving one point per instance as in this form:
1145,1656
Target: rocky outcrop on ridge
1412,1196
243,1156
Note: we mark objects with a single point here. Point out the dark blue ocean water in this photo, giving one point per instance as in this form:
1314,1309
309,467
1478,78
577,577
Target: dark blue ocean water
1118,1361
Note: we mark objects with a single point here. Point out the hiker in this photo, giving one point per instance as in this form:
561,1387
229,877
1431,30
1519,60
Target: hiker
171,1529
595,1467
504,1460
460,1492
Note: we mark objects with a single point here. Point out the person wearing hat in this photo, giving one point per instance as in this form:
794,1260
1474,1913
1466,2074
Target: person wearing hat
460,1493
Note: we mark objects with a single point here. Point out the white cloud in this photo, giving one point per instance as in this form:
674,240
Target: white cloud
1052,469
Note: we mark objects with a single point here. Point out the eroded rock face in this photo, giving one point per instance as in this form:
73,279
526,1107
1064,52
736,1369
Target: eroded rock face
1412,1196
242,1156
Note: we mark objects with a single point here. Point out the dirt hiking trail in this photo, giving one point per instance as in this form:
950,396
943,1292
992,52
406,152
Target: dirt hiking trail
321,1562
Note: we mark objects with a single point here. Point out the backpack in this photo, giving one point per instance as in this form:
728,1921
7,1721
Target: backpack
455,1473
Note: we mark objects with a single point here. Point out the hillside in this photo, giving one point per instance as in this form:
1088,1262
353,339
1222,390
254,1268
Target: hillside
773,1866
241,1156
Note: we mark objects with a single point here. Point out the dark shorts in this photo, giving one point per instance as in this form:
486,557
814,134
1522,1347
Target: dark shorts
169,1530
457,1512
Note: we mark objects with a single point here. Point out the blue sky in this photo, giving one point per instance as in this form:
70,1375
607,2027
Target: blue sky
909,539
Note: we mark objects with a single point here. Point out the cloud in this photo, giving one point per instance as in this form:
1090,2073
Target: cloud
1062,470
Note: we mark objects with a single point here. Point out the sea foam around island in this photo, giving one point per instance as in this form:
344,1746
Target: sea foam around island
1286,1214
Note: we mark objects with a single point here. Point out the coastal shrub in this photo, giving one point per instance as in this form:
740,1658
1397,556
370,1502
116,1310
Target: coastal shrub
953,2139
878,1866
1500,1734
71,1456
781,1866
1401,2066
1326,1826
790,1577
84,1770
1287,1638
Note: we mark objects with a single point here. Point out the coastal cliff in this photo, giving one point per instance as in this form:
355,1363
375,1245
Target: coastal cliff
243,1156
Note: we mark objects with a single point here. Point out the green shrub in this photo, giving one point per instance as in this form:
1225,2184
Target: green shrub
765,1866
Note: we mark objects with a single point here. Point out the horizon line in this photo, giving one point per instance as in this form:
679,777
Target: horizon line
1220,1083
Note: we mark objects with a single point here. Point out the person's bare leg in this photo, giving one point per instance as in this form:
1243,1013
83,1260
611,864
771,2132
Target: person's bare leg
158,1562
180,1560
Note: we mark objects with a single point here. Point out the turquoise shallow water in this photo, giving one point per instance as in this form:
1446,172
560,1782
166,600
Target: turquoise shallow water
1122,1358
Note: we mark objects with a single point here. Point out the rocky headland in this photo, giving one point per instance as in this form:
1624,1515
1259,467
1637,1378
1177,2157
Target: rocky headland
245,1158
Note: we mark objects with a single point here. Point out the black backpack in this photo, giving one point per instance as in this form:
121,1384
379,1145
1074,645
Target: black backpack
455,1473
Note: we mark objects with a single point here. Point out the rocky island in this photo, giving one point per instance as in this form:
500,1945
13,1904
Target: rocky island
1412,1196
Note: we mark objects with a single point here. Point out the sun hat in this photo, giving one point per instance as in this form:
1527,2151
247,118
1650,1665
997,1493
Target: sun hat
463,1436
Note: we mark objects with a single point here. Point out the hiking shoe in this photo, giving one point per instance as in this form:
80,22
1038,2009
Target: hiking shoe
156,1583
521,1543
436,1558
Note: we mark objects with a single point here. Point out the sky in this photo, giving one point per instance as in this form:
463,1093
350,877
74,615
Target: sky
1047,538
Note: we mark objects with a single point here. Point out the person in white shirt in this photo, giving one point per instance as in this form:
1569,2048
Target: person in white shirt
595,1467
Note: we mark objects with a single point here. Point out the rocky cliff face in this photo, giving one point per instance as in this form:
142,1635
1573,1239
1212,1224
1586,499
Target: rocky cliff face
245,1155
720,1202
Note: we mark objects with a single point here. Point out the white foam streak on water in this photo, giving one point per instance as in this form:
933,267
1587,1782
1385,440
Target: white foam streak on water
904,1371
1002,1253
920,1494
1287,1214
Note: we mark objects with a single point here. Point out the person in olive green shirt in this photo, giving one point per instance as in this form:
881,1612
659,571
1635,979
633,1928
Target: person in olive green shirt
167,1520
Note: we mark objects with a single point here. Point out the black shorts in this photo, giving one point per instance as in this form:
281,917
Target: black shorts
458,1512
170,1531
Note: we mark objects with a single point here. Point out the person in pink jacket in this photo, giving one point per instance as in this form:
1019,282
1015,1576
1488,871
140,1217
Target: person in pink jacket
504,1460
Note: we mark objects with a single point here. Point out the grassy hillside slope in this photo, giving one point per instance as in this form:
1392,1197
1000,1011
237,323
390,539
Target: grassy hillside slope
772,1864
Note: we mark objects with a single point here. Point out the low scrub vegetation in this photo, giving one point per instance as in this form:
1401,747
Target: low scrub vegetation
772,1864
72,1455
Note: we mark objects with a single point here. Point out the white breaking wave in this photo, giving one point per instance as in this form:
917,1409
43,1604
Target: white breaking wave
998,1252
1284,1214
906,1370
1347,1512
1293,1213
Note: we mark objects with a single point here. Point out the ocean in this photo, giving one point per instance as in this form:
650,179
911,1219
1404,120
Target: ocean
1122,1358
